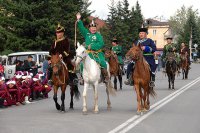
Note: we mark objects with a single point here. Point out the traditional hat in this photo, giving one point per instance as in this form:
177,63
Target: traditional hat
2,78
36,77
92,24
60,28
18,74
11,81
143,30
114,40
171,38
40,74
26,74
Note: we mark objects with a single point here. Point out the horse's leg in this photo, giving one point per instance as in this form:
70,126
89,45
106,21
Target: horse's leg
96,108
108,99
115,82
186,73
86,85
72,97
183,73
63,88
120,80
137,89
147,104
55,88
173,78
169,80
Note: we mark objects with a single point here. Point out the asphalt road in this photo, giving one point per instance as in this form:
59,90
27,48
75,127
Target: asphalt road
172,111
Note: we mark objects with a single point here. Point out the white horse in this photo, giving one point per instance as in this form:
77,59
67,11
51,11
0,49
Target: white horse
91,76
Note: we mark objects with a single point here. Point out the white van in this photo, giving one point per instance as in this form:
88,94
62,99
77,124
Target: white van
10,67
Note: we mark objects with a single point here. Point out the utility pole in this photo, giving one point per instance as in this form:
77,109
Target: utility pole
190,45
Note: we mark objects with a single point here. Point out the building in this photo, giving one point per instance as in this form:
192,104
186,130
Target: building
158,31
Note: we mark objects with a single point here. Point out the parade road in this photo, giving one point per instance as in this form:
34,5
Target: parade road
172,111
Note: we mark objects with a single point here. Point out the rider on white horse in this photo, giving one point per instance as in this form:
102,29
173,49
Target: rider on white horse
94,44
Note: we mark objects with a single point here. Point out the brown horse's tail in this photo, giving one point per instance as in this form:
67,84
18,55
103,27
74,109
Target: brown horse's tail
76,92
152,92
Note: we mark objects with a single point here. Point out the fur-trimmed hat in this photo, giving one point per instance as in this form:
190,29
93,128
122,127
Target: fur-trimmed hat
18,74
36,77
60,29
92,24
11,81
142,30
115,40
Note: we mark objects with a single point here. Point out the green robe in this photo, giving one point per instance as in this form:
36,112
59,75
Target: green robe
169,48
96,42
118,51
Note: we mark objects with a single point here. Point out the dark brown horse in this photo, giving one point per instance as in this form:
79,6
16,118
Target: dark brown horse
60,79
141,77
184,65
114,67
171,69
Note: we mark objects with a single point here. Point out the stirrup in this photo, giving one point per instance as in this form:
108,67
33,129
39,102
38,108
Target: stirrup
152,84
127,82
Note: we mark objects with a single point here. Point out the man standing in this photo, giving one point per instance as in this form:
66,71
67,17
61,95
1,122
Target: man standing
148,46
94,44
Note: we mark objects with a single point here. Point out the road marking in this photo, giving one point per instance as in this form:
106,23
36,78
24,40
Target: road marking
133,121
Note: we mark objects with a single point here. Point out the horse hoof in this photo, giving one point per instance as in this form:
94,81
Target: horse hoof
57,106
85,113
96,112
109,108
139,113
71,108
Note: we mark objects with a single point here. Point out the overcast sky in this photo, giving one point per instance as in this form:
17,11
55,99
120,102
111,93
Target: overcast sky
150,8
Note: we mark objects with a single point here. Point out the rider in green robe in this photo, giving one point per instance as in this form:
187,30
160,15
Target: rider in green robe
170,48
117,49
94,44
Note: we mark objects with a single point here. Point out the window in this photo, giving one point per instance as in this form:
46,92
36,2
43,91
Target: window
154,32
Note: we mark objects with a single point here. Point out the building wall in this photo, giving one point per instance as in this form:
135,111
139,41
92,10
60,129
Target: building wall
158,35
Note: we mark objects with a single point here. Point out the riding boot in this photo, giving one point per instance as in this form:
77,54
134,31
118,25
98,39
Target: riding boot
105,75
152,82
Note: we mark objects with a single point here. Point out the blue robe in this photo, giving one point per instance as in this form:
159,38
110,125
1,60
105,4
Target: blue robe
150,48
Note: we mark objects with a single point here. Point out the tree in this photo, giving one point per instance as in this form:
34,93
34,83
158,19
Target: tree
185,20
30,25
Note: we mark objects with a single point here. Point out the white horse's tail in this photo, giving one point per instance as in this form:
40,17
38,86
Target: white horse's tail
109,85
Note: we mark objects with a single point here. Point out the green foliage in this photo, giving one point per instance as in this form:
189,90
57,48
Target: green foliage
30,25
185,22
122,23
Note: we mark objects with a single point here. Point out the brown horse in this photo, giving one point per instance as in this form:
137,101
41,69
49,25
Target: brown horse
184,65
171,69
141,77
60,79
114,67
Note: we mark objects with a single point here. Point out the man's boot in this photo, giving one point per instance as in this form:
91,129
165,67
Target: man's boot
152,82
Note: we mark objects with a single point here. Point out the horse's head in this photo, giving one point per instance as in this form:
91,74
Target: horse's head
55,62
134,53
170,57
108,53
80,54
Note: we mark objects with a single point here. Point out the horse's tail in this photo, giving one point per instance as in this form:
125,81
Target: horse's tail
76,92
152,92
